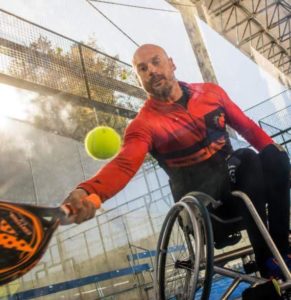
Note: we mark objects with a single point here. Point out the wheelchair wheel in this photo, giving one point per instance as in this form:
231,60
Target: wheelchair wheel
184,261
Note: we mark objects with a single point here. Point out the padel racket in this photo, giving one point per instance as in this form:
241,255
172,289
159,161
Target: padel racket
25,232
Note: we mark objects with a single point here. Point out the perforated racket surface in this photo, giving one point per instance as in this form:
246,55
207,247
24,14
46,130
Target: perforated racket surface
25,232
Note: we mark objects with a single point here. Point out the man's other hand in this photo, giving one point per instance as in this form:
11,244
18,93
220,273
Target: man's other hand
280,147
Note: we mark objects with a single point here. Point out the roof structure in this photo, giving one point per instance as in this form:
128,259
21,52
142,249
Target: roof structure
259,28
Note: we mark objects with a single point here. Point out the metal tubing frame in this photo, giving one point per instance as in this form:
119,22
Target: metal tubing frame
241,276
235,283
265,233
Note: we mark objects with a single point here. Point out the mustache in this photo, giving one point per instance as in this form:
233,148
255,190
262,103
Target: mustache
156,78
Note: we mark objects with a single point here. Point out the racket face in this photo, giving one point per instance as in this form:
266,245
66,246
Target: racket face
23,240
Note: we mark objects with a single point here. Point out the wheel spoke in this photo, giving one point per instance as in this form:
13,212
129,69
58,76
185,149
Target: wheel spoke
185,254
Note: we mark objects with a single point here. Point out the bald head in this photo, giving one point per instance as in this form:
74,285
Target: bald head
145,49
155,71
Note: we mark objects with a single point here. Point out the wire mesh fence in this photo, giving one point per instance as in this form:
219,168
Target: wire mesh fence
278,125
106,88
270,105
274,116
279,120
99,246
35,54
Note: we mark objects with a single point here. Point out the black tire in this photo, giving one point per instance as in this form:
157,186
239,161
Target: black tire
184,261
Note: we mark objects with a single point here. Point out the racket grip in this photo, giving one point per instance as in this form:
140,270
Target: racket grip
95,199
68,210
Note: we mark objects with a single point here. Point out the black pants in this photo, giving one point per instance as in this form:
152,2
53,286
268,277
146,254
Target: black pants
264,177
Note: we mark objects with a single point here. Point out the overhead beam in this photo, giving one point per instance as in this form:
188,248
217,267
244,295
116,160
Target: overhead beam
188,13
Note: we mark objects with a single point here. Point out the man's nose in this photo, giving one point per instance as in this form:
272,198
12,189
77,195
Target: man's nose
152,69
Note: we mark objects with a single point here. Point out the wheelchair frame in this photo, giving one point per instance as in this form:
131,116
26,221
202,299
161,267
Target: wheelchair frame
194,220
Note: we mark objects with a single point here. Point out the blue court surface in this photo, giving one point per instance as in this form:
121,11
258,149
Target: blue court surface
220,285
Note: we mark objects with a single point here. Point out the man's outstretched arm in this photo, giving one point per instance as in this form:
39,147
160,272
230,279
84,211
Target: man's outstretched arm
114,176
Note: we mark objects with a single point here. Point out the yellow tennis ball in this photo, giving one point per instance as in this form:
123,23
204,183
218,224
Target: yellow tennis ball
102,142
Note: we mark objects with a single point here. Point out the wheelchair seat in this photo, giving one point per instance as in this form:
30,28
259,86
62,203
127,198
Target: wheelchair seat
227,224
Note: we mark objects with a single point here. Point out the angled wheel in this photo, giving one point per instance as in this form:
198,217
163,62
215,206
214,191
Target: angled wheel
184,261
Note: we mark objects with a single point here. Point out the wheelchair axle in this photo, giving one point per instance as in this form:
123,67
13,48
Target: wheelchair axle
184,264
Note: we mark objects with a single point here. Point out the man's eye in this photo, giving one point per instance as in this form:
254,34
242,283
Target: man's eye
156,62
142,69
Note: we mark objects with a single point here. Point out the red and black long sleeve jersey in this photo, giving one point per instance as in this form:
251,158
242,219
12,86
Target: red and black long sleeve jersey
177,136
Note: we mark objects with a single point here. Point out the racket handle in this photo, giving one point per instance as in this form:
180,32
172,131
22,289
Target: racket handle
95,199
68,211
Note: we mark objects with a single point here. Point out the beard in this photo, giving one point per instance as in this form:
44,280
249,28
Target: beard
159,87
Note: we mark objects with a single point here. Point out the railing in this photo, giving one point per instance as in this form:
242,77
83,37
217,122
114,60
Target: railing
269,105
36,55
274,116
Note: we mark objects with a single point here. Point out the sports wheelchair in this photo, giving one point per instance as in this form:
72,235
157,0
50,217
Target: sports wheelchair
185,263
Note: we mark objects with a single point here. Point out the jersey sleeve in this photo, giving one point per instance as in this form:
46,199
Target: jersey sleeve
246,127
115,175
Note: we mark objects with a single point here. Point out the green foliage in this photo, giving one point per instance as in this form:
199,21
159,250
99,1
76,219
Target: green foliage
65,69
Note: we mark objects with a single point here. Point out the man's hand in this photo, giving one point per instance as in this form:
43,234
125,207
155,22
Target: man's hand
280,147
82,208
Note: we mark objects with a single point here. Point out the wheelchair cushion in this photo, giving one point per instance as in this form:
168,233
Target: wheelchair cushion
225,234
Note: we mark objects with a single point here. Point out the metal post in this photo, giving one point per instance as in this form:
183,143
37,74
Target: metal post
84,72
231,288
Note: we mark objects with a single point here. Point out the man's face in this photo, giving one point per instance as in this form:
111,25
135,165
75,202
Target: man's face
155,71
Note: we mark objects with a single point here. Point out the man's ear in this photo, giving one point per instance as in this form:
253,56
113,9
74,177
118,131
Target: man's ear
172,63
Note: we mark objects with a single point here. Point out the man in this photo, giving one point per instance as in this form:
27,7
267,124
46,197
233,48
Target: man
184,127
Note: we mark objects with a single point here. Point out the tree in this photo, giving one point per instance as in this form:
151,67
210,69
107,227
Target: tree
65,69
